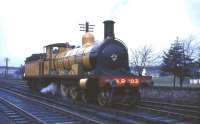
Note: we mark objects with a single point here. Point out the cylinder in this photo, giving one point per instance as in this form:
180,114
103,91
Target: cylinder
109,29
83,83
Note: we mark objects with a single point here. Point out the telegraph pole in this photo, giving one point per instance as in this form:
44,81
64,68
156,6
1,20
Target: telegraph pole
6,68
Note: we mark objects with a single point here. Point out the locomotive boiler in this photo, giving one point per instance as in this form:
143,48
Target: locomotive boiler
96,72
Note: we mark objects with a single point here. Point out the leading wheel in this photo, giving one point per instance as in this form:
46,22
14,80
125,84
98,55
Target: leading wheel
135,99
103,98
84,97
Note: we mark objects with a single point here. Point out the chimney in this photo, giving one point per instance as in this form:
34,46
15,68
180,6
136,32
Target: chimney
109,29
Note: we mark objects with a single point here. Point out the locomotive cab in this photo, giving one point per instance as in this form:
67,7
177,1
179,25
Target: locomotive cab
54,49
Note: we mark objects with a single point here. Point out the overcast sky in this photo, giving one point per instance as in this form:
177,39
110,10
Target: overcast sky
27,25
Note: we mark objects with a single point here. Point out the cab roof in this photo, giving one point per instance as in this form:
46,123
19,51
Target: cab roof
57,45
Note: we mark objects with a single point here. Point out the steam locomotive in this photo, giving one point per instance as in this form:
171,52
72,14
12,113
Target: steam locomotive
96,72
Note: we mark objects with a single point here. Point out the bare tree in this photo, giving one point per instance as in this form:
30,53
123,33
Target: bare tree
141,58
190,47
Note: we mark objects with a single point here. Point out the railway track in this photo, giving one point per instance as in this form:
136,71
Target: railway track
101,116
185,112
16,114
111,115
149,116
35,111
18,83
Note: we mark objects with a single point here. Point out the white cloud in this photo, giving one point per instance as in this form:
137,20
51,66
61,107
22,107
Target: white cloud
154,22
